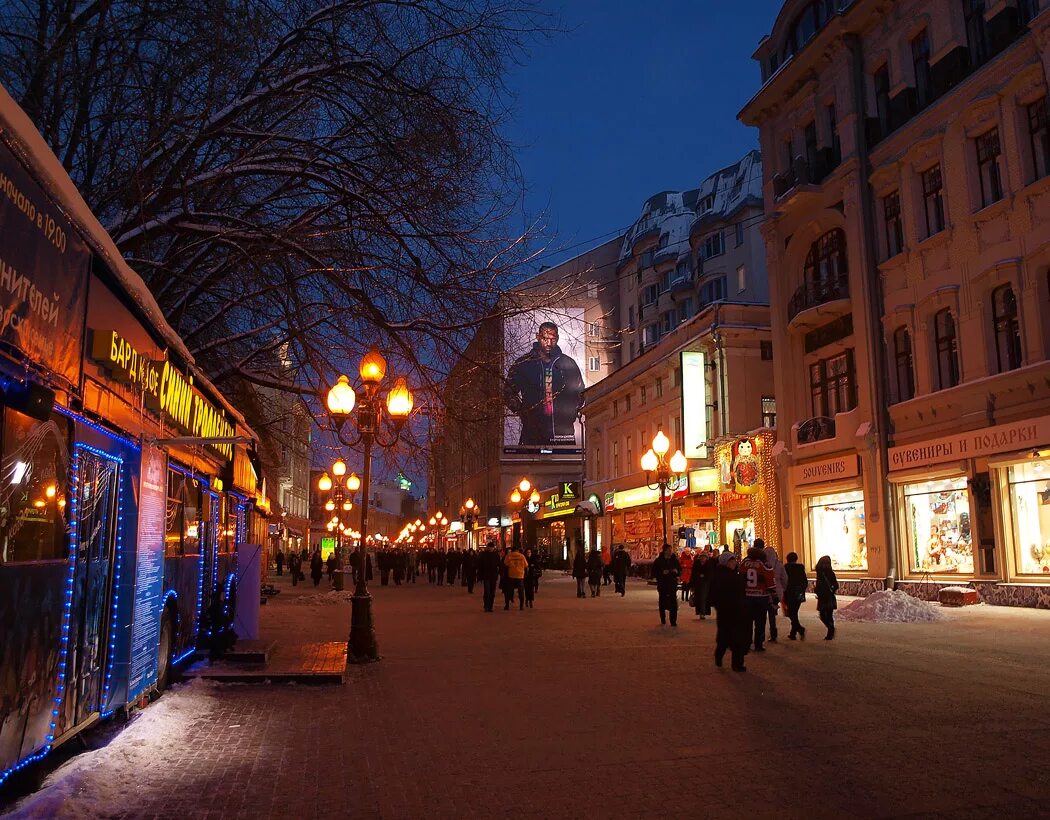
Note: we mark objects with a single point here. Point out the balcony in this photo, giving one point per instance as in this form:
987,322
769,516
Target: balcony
819,428
815,302
805,174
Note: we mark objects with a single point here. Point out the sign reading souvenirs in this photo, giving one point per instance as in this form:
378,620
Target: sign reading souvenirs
166,390
830,469
1002,438
43,274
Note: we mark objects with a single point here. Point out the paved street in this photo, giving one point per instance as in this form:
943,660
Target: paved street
589,708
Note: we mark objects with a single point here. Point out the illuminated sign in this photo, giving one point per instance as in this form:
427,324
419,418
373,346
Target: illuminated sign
563,501
694,404
638,496
704,480
165,389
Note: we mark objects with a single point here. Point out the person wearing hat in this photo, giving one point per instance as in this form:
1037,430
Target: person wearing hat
621,562
733,615
667,571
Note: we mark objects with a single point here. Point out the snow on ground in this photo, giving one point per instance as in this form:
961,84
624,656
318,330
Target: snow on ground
891,606
94,783
329,598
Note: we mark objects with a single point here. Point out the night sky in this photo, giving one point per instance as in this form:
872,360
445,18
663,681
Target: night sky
634,98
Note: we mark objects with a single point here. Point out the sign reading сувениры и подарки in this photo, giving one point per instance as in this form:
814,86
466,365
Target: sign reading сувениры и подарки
986,441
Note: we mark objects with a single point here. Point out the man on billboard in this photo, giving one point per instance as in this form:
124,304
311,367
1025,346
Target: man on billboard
545,390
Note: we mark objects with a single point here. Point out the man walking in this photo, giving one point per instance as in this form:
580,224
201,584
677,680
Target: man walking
516,564
280,562
733,616
666,571
621,562
488,568
758,579
470,569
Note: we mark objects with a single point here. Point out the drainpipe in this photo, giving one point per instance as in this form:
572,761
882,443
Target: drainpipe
877,373
723,402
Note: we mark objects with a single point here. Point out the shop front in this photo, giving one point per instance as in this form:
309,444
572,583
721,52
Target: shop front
974,508
560,524
633,518
832,513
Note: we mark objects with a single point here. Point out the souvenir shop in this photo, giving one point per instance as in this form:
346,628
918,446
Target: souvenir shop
832,509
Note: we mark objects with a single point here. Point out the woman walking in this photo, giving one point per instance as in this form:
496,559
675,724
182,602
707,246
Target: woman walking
826,587
795,593
532,577
579,572
594,572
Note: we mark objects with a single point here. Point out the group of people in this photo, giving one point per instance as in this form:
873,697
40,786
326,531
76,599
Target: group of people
592,568
297,560
746,594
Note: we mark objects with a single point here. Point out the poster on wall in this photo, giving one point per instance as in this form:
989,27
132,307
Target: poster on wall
544,355
149,571
694,404
43,274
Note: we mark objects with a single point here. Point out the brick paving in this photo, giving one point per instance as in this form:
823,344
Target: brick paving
589,708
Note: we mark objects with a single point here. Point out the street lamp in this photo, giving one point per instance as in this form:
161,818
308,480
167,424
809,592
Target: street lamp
655,461
342,400
468,514
338,500
520,498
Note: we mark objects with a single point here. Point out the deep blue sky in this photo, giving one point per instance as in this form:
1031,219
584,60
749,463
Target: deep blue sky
634,98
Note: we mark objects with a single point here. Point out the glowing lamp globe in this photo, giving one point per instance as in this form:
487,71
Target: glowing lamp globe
399,401
535,497
661,444
678,462
433,521
341,398
339,468
469,504
348,505
324,483
329,505
650,462
373,367
525,486
353,483
515,497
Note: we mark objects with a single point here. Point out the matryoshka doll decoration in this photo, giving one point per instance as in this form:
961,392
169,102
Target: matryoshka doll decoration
745,466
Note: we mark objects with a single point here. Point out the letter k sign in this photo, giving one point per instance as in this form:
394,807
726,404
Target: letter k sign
567,490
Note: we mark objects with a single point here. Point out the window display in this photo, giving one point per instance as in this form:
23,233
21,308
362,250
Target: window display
937,517
836,529
740,534
1030,502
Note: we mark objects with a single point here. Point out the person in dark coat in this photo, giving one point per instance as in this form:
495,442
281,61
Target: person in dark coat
441,561
532,577
383,559
316,567
667,571
400,566
579,572
621,562
452,566
703,572
330,566
280,562
795,593
304,555
733,614
470,569
826,586
594,572
489,564
293,567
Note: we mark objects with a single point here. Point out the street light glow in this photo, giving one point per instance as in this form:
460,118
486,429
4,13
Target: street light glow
650,462
324,483
399,401
525,486
373,367
339,468
341,398
661,444
678,462
353,483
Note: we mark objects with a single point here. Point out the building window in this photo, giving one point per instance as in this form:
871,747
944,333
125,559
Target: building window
616,459
826,262
833,130
714,245
836,528
891,213
713,291
1030,504
905,370
616,408
976,31
882,98
643,395
988,170
668,321
738,228
1007,329
685,308
937,518
741,279
659,387
594,364
594,328
789,156
766,347
650,295
933,200
769,411
947,349
832,385
630,459
707,203
920,62
676,377
677,430
809,135
1039,137
630,317
627,402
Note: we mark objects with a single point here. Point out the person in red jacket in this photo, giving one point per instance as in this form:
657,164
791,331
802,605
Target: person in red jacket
758,580
686,560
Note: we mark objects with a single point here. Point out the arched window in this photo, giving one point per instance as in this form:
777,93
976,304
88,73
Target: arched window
826,268
947,350
904,364
1007,329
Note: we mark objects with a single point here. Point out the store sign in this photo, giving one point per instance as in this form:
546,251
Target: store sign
563,501
166,390
676,487
1002,438
149,570
694,404
829,469
43,274
704,480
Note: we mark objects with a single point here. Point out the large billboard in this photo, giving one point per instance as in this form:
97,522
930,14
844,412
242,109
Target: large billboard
544,352
694,404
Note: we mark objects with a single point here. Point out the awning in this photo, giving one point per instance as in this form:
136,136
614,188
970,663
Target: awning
588,508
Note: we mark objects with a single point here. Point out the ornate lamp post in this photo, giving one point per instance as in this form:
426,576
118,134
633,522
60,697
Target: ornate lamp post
655,461
440,526
520,498
468,514
369,421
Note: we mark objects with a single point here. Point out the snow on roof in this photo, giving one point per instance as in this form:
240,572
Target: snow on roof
26,142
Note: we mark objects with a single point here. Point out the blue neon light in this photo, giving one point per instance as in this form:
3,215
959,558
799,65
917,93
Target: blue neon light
98,428
115,588
183,656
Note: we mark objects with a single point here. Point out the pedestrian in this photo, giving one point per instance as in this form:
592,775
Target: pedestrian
293,567
470,569
330,566
732,613
702,578
532,577
621,562
826,586
667,571
383,559
776,589
452,566
758,580
606,568
594,572
316,567
489,570
516,564
579,572
441,559
280,562
687,572
795,593
411,557
304,556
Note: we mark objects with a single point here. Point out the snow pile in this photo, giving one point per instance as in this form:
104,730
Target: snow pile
891,606
329,598
95,783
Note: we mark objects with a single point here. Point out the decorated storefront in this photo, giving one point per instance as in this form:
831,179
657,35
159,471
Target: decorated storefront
832,510
633,518
746,500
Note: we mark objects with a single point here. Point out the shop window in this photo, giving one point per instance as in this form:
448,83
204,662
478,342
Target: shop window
182,531
1030,505
937,524
947,349
933,200
833,385
33,521
988,171
905,371
1039,137
891,215
1007,329
836,529
769,411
